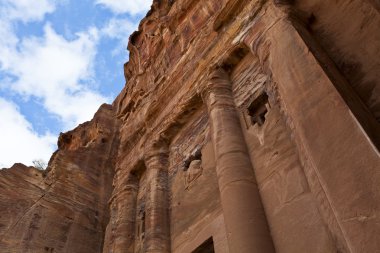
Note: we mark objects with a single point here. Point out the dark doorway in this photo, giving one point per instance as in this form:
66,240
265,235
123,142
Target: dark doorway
206,247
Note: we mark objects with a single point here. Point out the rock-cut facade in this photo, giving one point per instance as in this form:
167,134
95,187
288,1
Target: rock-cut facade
244,126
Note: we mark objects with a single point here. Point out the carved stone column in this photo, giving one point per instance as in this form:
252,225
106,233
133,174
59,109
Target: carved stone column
337,137
120,232
157,237
246,224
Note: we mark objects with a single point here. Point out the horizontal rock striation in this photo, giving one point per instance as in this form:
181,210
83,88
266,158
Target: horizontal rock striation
65,208
244,126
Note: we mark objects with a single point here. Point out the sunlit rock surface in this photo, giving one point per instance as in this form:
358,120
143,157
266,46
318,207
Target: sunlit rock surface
244,126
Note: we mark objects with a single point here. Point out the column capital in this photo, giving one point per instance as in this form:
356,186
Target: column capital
218,78
156,154
126,184
217,91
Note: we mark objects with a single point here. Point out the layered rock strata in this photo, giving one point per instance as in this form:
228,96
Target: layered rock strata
244,126
65,208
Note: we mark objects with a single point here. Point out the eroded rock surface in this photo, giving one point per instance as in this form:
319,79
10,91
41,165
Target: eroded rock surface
244,126
65,208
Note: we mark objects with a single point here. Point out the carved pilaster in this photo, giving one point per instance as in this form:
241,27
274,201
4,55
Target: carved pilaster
157,223
121,228
246,224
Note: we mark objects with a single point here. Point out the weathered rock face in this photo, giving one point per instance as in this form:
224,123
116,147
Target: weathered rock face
244,126
63,209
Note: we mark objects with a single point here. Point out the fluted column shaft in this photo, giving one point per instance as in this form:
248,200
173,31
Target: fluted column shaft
246,224
157,204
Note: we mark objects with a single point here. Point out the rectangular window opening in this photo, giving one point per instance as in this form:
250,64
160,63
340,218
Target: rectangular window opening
258,109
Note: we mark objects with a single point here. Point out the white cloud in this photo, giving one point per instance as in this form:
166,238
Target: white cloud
19,141
132,7
120,29
26,10
58,72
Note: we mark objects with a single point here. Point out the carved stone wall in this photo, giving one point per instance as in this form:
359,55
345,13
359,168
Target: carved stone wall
244,126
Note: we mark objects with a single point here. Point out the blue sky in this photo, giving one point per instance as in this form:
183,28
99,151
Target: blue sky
59,61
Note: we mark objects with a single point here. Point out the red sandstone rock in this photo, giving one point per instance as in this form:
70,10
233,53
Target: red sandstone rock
65,208
276,152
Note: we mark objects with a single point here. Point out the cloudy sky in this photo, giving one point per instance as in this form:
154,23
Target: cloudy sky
59,60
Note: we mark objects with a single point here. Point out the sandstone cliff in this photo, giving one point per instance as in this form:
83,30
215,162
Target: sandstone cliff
65,208
244,126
